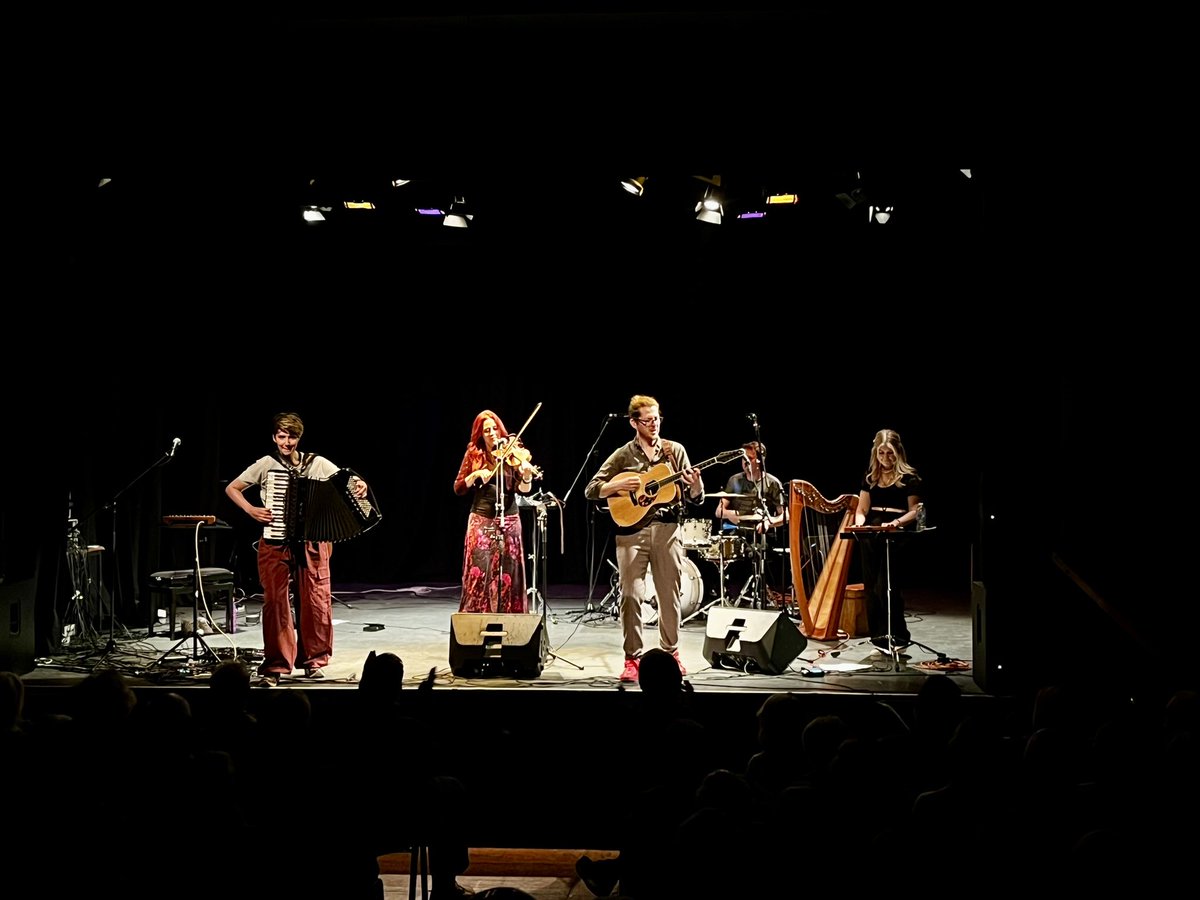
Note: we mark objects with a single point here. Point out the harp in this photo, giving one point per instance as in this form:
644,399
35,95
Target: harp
820,559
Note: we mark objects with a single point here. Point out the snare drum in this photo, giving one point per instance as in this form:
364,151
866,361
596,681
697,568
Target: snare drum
726,547
695,533
692,592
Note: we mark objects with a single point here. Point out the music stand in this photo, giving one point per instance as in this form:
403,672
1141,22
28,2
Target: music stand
889,537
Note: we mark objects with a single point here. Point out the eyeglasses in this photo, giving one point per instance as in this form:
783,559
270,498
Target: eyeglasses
649,421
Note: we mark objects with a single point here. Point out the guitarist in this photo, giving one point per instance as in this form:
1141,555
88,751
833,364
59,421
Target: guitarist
654,542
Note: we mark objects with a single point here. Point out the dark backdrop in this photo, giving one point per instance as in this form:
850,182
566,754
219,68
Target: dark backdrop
1022,462
1037,388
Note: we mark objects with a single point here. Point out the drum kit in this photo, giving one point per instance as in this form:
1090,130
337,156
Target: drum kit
724,548
720,549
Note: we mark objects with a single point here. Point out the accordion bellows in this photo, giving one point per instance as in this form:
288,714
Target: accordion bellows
321,510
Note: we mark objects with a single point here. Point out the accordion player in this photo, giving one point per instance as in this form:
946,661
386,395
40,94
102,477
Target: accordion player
312,509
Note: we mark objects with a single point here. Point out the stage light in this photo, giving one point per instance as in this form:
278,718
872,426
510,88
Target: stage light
634,186
710,209
314,215
880,214
457,215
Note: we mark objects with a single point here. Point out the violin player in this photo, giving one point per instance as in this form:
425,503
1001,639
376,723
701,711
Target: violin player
495,467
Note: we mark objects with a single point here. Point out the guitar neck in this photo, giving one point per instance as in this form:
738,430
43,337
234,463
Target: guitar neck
675,476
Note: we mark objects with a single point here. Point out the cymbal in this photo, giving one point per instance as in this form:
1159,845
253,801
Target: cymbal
722,495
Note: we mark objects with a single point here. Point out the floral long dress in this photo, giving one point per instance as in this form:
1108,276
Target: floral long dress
493,566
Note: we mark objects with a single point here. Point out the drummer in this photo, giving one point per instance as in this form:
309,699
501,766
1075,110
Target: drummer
757,504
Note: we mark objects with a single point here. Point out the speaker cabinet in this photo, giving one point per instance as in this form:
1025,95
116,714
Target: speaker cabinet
755,640
506,644
17,643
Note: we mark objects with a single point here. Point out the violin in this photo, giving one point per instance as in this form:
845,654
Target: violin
515,454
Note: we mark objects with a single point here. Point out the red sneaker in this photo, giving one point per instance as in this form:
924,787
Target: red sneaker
682,670
630,672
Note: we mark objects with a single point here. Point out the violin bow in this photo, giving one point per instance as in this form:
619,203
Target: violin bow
515,437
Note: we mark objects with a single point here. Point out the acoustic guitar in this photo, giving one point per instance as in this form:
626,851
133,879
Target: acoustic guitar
658,487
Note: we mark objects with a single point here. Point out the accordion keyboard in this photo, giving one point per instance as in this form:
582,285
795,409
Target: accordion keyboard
278,482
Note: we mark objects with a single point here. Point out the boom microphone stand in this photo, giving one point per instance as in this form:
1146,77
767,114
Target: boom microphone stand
755,587
112,507
590,609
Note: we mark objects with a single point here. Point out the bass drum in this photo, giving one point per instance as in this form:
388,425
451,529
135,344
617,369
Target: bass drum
692,593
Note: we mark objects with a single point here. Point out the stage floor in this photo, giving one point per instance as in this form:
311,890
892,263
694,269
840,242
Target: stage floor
584,639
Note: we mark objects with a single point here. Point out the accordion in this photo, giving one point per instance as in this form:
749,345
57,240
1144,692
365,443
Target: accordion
309,509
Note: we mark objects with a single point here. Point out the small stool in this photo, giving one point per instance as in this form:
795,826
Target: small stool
180,584
854,610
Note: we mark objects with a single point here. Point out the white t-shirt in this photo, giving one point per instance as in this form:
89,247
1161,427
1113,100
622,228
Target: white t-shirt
316,467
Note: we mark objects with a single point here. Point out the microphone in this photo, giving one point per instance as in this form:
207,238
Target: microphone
614,416
752,418
175,442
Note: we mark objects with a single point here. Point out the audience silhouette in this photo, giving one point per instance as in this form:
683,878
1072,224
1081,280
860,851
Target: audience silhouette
1066,778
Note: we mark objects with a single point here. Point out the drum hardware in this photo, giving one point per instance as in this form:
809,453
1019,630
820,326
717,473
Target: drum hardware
756,585
726,547
695,533
610,604
722,550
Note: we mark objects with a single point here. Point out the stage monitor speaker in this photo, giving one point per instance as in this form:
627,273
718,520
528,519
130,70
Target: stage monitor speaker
754,640
17,645
507,644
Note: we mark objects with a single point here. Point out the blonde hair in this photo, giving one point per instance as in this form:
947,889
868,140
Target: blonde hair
886,437
637,401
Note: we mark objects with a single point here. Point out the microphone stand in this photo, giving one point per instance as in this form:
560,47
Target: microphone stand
498,474
538,569
591,524
112,507
501,537
197,599
757,600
